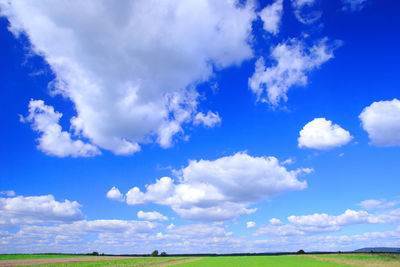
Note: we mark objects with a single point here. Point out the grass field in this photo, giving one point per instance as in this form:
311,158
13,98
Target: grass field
150,261
38,256
364,260
330,260
385,257
53,260
261,261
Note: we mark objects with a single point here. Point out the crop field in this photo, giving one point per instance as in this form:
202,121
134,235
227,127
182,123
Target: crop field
367,260
76,260
38,256
331,260
267,261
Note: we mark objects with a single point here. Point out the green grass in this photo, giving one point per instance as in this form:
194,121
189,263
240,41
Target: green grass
386,257
230,261
150,261
37,256
260,261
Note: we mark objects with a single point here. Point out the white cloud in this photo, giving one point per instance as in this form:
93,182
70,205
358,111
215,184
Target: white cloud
305,11
371,204
21,210
134,196
130,68
382,122
251,225
123,236
289,161
353,5
110,226
69,237
324,220
294,59
385,217
323,134
209,120
307,225
275,221
279,230
151,216
349,217
221,189
115,236
271,16
115,194
8,193
52,140
159,235
322,242
171,226
199,231
201,238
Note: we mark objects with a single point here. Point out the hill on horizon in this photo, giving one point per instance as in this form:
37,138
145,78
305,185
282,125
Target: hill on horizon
379,249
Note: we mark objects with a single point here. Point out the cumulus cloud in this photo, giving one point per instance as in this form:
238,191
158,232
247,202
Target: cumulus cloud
38,223
328,242
294,59
322,222
118,236
353,5
200,231
371,204
221,189
22,210
271,16
381,120
251,225
131,69
279,230
321,133
275,221
53,140
306,11
109,226
142,237
125,236
69,237
209,120
347,218
325,220
115,194
201,238
151,216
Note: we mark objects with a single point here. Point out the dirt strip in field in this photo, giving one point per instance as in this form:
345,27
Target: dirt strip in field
359,262
177,261
163,263
21,262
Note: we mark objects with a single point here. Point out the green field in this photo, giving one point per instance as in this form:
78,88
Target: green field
143,262
38,256
261,261
385,257
387,260
330,260
269,261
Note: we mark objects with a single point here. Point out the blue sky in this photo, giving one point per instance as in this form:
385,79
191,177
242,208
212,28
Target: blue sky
270,126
